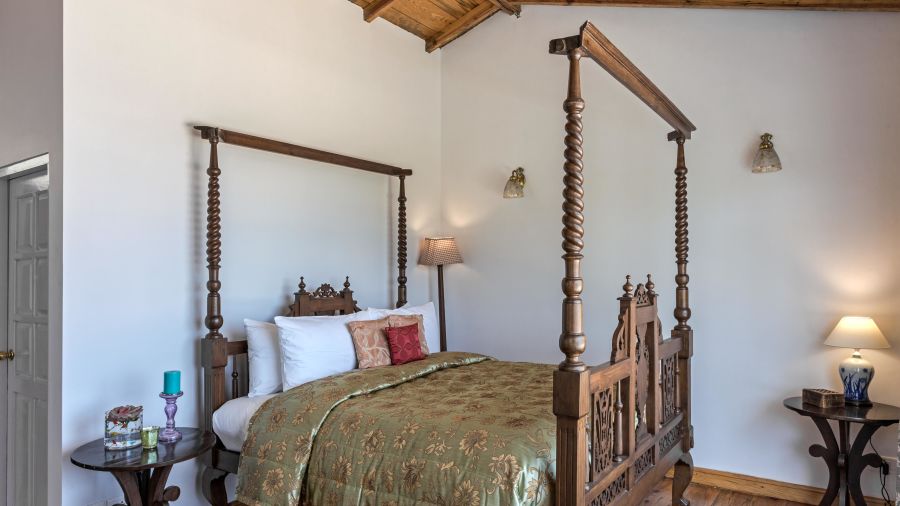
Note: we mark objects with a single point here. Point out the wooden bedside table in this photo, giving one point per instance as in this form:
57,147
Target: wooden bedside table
132,468
846,463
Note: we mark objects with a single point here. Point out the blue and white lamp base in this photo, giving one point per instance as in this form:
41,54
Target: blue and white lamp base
856,375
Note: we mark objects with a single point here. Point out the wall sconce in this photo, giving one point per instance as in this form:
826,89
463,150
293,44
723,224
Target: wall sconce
515,187
766,159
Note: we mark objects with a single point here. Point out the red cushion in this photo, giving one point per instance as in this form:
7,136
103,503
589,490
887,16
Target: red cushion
404,344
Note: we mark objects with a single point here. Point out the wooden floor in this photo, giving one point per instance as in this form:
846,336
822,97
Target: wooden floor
706,496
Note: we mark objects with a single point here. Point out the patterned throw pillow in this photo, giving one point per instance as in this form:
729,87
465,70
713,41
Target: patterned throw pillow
397,320
371,345
404,342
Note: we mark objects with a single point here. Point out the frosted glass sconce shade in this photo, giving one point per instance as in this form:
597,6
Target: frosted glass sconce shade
515,186
766,159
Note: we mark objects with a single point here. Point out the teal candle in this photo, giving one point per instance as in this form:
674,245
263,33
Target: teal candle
171,382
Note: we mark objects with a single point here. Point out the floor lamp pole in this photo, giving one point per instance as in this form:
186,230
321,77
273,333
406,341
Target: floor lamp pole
441,307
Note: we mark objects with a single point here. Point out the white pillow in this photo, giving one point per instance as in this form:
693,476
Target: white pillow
313,347
264,354
429,321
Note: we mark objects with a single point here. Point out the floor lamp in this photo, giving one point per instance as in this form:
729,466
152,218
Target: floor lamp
440,251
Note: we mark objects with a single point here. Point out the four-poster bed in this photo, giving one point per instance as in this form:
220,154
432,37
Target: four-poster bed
626,459
619,427
216,350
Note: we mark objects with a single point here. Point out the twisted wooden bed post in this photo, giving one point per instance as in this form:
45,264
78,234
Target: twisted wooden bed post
214,349
684,468
215,356
682,306
213,318
401,244
571,382
572,341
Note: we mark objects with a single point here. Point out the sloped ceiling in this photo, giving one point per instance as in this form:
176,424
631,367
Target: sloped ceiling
440,22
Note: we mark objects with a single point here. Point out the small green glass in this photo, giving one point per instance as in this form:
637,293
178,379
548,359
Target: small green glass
150,437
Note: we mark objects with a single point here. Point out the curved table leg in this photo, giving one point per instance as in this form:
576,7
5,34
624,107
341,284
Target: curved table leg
857,462
130,483
144,489
158,494
830,453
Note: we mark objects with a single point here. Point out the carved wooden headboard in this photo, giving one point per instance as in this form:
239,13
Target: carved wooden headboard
324,300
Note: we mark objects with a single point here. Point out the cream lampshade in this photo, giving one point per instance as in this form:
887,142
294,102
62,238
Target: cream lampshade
440,251
857,373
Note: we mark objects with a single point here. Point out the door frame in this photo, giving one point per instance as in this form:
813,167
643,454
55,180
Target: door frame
8,172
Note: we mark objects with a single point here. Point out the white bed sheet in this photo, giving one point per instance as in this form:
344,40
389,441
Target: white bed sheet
232,419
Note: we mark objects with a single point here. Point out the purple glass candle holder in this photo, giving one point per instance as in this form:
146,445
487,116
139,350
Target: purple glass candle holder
170,434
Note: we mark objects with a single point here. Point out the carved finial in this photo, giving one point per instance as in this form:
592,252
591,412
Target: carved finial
628,287
302,285
650,284
347,283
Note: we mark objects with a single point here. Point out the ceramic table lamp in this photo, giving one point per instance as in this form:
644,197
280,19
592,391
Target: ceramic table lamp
857,373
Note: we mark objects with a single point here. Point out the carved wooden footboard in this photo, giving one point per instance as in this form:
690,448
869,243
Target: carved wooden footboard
636,428
621,425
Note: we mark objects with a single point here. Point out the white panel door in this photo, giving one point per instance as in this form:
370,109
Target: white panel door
26,448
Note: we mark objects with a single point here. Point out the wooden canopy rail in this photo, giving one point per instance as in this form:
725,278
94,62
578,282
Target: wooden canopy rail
639,402
216,349
284,148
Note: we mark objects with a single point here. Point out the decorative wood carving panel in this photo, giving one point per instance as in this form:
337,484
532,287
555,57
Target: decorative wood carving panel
642,393
325,291
668,388
667,442
642,295
644,463
620,341
602,433
610,493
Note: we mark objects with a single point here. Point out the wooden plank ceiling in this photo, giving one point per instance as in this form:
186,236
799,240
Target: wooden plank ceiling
439,22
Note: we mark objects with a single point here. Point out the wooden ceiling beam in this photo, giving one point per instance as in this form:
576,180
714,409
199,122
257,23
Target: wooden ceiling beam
507,7
462,25
376,9
826,5
487,8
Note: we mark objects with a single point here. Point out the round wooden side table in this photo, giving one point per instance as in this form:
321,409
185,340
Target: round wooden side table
142,473
846,462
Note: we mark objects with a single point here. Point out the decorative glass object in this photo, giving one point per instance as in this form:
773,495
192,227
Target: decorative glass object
123,427
150,437
515,186
766,159
170,434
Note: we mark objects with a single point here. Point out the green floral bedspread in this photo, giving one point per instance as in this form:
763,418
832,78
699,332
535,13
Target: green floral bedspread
453,429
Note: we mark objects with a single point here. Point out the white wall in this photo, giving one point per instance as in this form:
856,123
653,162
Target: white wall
31,125
137,76
775,259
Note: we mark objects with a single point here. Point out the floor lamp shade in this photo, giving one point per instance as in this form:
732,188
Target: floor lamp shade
440,251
